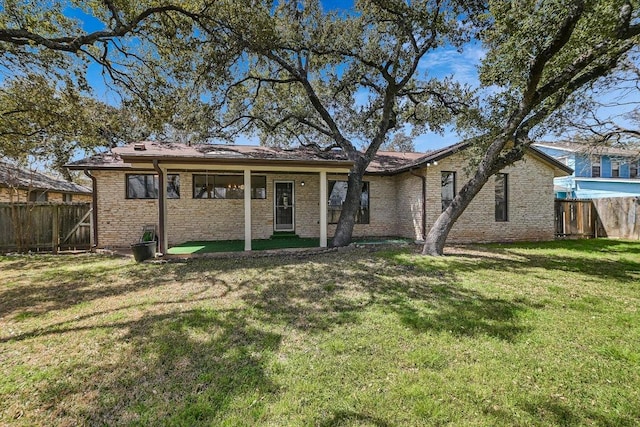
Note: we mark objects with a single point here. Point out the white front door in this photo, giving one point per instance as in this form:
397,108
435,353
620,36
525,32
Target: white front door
284,206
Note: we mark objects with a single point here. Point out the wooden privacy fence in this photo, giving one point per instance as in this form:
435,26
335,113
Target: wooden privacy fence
44,226
617,217
575,218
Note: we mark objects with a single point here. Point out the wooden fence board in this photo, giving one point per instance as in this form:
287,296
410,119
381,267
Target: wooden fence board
44,226
575,218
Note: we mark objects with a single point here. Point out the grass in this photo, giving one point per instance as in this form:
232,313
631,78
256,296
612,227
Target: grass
525,334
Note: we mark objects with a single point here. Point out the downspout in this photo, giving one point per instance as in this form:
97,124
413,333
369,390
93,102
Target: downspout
94,206
424,202
161,200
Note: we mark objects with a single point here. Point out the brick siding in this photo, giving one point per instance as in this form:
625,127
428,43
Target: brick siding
8,195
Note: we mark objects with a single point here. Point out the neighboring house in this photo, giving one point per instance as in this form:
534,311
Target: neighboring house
599,171
23,185
228,192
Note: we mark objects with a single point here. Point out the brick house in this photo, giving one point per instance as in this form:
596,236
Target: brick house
301,190
19,185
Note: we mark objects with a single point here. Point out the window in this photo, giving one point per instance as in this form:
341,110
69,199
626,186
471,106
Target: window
595,166
38,196
173,186
145,186
501,197
337,196
633,169
258,187
448,188
66,197
227,187
615,169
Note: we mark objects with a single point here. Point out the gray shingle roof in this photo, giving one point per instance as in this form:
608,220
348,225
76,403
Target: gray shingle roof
13,176
384,162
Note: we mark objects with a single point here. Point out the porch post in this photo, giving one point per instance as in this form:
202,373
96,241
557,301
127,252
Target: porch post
162,208
247,209
323,209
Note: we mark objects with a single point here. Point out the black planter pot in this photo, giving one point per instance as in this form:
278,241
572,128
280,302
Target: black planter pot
143,250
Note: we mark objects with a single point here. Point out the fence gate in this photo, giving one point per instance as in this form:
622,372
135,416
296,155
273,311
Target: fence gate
576,218
44,226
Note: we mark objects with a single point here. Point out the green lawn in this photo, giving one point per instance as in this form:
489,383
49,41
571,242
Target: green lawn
532,334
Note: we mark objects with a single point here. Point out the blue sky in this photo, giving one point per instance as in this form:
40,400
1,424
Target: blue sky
444,61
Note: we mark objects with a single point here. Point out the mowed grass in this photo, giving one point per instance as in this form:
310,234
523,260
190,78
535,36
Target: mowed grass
528,334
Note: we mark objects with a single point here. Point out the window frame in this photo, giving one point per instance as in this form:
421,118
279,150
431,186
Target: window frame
501,213
359,217
156,181
633,169
446,202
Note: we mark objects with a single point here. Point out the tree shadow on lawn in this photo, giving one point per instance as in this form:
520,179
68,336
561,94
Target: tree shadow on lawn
583,246
510,259
317,300
204,365
194,366
560,412
189,367
59,289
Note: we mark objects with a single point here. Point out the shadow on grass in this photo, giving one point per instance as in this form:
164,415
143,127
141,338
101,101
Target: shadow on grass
185,368
324,295
56,287
584,246
192,366
349,418
621,271
559,412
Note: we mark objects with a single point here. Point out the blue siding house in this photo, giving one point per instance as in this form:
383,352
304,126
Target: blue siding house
598,171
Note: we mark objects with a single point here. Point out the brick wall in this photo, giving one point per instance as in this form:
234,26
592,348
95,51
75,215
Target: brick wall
530,203
21,196
382,207
10,195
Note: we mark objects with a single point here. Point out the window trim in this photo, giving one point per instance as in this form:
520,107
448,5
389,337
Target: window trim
633,166
442,187
504,215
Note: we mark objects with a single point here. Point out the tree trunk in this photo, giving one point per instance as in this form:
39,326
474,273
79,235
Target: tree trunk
437,236
351,205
